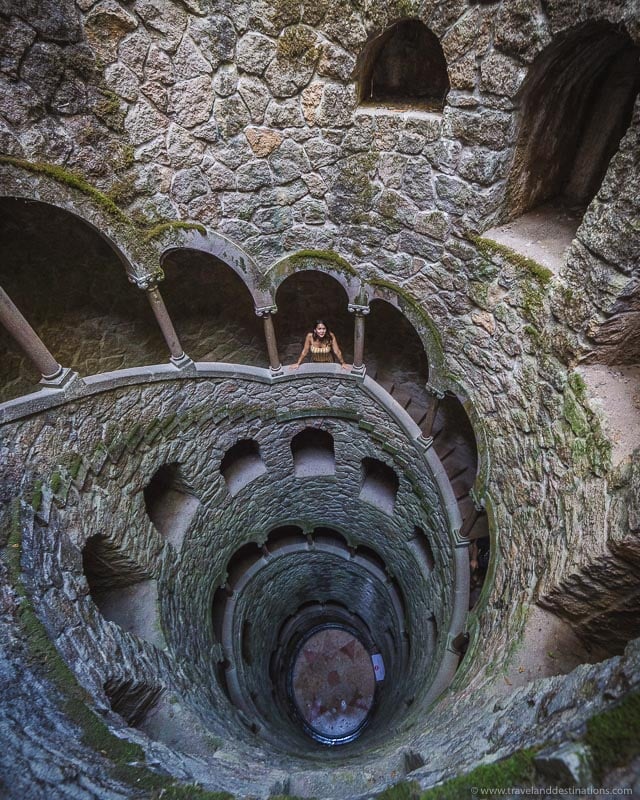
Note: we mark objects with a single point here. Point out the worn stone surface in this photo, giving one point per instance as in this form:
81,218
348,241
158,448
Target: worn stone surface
244,117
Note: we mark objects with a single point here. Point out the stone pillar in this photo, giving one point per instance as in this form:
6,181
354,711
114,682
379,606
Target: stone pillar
266,313
436,396
360,308
471,519
53,374
150,285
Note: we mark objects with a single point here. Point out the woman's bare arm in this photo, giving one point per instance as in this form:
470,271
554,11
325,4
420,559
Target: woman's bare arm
337,353
305,350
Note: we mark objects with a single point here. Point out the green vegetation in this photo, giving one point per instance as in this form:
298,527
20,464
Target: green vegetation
108,110
590,445
159,229
189,792
36,496
406,790
63,176
56,481
122,191
613,736
292,263
488,247
297,44
128,758
516,770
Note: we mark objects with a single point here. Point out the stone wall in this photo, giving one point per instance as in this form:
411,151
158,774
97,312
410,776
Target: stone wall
245,118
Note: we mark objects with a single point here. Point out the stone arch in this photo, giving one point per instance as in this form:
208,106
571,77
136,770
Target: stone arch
242,464
59,189
317,261
66,276
212,307
420,321
379,485
313,453
404,64
304,296
575,105
199,239
394,351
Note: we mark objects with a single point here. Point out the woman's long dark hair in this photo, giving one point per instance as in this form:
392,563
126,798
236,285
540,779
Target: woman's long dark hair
328,336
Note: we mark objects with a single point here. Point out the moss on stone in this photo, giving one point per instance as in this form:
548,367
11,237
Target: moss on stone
406,790
293,263
73,462
533,303
190,792
173,225
126,158
488,247
122,191
56,481
297,44
127,757
108,110
411,302
36,496
614,734
517,770
337,261
70,179
285,12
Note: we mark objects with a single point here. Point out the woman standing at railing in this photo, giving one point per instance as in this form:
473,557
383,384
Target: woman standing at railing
323,346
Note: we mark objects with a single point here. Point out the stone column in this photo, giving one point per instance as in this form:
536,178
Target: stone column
150,285
266,313
53,374
436,396
360,308
425,439
471,519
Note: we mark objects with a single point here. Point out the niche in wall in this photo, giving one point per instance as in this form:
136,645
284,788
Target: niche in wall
422,548
575,106
241,465
313,453
170,503
405,64
131,698
122,590
379,484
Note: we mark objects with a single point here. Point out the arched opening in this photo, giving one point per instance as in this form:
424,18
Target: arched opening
212,309
313,453
241,465
170,503
122,590
405,65
576,105
72,287
131,698
395,357
379,484
303,298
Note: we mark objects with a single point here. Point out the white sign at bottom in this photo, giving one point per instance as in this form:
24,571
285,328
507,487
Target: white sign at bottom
378,666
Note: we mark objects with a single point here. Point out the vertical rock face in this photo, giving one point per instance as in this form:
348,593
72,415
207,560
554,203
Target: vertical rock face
324,159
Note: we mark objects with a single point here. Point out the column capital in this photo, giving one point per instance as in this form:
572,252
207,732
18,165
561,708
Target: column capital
437,393
478,502
356,308
459,541
147,282
265,311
